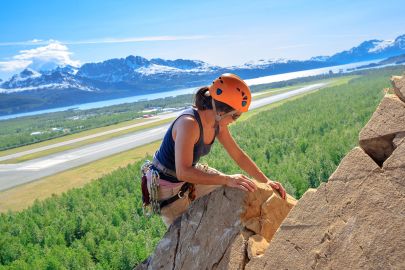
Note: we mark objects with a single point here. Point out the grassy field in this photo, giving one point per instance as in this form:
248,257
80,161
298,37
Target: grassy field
23,196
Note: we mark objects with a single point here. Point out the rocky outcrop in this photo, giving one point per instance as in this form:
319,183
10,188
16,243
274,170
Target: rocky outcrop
218,228
399,87
385,128
354,221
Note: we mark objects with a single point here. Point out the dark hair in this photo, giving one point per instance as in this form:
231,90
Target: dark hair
203,101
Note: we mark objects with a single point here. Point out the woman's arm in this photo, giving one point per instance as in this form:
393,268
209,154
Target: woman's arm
186,134
244,161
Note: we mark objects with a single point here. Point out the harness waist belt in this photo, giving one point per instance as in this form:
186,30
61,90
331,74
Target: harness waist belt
162,168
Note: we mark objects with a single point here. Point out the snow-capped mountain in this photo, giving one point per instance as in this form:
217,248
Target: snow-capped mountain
25,75
370,50
60,78
113,73
134,75
134,67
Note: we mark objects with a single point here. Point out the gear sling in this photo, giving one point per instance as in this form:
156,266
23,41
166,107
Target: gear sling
150,200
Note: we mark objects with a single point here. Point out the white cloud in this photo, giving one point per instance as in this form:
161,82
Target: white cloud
41,58
14,65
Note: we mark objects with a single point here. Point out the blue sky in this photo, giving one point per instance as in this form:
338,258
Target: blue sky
218,32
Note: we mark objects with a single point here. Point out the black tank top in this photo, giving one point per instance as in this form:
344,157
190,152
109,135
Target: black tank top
165,154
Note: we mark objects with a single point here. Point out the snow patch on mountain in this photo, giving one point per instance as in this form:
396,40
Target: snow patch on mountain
153,69
380,45
261,63
25,74
320,58
58,86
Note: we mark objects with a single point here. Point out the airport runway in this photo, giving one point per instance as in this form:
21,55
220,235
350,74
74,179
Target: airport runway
151,120
12,175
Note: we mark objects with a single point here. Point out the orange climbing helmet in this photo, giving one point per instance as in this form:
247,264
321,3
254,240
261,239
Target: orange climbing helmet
232,90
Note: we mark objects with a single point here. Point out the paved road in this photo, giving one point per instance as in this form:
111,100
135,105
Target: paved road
12,175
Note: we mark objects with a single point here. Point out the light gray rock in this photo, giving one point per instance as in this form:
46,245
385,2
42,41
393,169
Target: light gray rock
205,236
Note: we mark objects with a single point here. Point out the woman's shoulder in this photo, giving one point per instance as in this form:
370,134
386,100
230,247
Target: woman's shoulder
187,126
186,121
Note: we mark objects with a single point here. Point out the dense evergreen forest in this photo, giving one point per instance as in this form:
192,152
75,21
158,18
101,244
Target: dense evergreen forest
101,226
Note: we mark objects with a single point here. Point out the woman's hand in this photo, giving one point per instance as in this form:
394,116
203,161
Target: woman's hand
277,186
240,181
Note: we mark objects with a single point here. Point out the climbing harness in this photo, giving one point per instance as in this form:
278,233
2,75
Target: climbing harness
150,199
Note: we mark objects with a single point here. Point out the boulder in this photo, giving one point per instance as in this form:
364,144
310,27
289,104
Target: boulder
387,122
257,244
213,234
265,210
398,82
355,221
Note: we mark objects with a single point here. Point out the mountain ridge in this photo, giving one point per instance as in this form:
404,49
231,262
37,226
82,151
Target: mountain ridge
135,75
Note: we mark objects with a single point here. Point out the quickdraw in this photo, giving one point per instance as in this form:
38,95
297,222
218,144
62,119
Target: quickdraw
150,200
150,192
154,192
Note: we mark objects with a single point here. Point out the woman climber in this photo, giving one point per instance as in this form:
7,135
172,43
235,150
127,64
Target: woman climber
174,178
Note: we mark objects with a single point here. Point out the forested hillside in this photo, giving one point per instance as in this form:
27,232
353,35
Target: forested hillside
101,226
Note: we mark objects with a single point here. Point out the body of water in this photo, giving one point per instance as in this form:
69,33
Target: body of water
255,81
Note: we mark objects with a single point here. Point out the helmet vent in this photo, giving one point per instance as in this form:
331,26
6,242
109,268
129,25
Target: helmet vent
219,91
237,88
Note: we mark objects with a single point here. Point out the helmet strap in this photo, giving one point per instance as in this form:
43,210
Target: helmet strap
220,117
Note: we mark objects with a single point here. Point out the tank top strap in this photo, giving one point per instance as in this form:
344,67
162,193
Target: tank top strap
196,116
198,119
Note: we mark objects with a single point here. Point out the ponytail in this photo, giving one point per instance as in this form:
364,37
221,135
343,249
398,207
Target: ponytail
203,101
